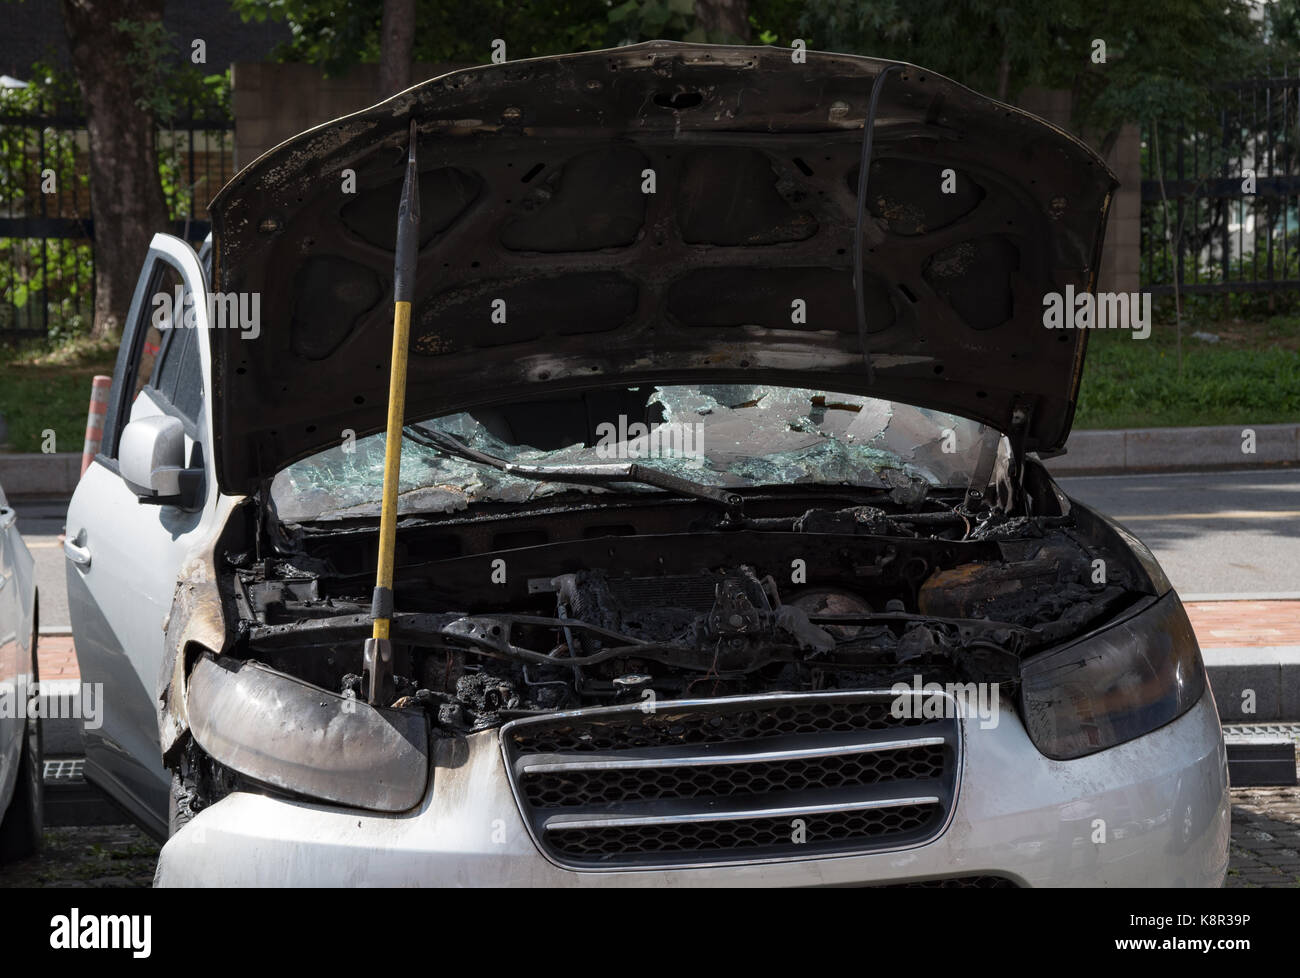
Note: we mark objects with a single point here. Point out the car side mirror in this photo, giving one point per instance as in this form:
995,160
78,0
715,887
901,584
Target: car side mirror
151,459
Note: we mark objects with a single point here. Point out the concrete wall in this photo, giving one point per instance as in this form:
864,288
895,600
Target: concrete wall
1121,263
272,102
1121,259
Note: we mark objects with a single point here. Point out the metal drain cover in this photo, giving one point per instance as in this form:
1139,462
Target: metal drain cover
1262,755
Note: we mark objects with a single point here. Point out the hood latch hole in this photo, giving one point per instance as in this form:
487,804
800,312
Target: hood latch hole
678,100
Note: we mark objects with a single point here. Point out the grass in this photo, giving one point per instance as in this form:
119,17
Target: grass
1251,376
49,391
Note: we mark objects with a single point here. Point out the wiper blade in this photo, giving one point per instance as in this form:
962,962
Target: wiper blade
594,474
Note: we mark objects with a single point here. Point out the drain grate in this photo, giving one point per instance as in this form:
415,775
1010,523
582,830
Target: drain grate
1262,755
1266,731
63,770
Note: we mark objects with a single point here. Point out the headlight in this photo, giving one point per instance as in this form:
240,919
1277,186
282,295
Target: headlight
1115,685
289,734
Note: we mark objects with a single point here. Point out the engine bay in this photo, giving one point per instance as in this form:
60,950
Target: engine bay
599,603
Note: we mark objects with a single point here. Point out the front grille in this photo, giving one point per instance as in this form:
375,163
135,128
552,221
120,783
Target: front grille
746,778
722,780
588,731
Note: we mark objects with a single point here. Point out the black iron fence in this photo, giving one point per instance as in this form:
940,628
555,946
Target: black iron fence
47,231
1221,206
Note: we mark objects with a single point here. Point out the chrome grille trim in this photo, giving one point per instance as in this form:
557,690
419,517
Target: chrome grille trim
646,759
618,788
559,823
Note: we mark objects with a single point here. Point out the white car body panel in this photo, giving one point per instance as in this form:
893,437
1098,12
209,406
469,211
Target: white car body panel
17,609
1161,800
119,600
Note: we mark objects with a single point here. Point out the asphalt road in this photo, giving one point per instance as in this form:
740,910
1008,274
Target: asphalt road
1220,533
40,522
1229,533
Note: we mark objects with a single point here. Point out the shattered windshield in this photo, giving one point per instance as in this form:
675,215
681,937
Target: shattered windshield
723,435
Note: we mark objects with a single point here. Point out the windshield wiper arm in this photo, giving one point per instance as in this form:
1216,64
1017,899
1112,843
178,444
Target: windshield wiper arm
594,474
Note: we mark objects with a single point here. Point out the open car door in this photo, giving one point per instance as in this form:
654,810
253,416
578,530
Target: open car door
126,541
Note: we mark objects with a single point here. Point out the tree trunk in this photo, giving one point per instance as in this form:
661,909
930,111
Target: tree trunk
396,37
126,195
1004,69
723,19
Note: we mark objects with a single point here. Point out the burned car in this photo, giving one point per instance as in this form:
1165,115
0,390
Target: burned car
724,550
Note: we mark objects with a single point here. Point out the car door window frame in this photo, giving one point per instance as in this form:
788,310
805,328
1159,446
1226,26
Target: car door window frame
122,392
174,345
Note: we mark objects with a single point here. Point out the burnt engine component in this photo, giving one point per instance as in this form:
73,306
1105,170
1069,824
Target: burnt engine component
879,595
702,611
1056,583
818,601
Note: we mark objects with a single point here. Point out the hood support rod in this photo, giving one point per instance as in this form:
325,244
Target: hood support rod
378,652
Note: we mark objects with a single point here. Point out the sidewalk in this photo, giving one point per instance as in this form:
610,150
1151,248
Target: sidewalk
58,658
1245,624
1252,652
1204,449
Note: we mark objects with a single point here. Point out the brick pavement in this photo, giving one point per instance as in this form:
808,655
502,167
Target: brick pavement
57,658
1245,624
1265,848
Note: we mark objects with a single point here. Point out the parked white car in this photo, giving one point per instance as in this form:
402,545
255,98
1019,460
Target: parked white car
704,575
21,770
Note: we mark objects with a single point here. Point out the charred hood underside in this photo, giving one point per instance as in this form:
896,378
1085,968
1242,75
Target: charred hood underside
654,213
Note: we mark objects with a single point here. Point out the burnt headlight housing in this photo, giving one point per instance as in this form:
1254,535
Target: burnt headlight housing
286,733
1115,684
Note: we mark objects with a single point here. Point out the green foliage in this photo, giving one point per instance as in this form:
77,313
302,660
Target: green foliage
62,269
646,20
1135,383
33,399
1156,52
336,35
775,21
165,87
1214,307
58,268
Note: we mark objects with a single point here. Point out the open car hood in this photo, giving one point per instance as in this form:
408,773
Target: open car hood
533,202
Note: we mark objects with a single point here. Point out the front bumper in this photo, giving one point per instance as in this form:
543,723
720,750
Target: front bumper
1151,812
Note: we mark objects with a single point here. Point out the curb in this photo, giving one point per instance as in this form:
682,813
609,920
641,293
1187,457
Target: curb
1240,596
28,474
1265,677
1135,450
1131,450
